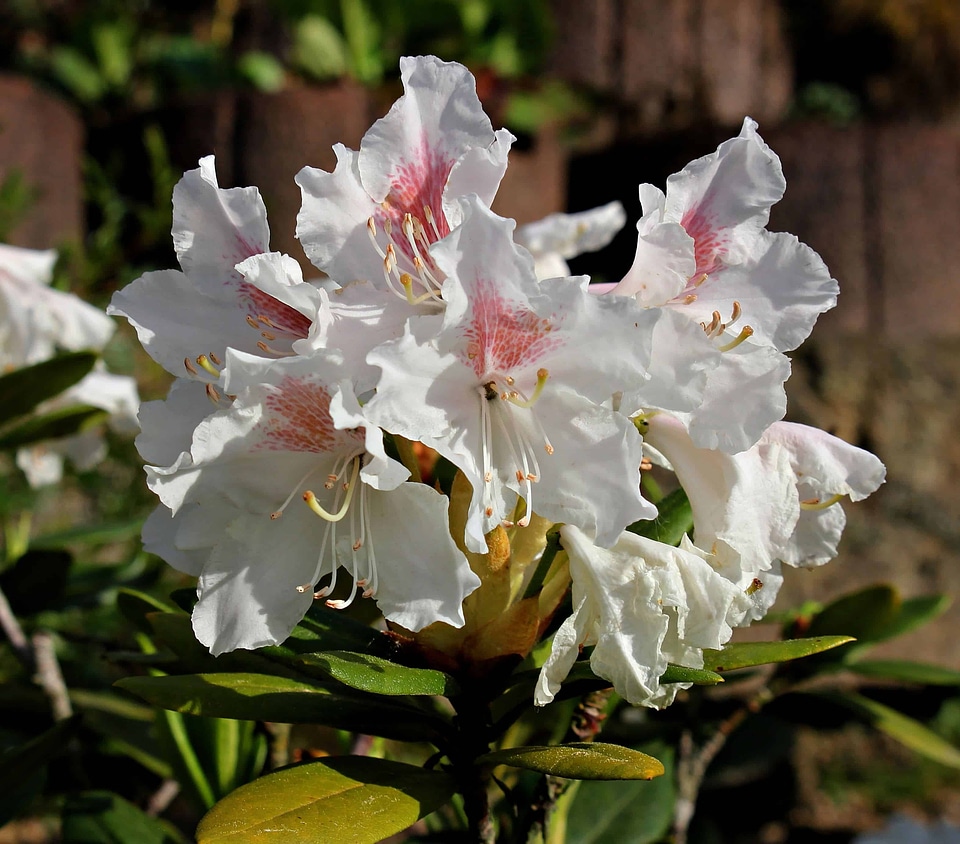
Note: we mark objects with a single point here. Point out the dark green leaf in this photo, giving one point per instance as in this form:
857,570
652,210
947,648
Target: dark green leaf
746,654
64,422
905,671
100,817
626,812
22,768
863,615
380,676
914,613
580,760
674,519
176,632
348,799
258,697
23,389
898,726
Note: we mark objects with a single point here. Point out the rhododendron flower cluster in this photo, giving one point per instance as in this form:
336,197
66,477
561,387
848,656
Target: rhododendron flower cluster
304,439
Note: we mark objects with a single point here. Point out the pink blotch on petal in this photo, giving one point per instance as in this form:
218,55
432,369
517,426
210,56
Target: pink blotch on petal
297,418
709,240
282,318
502,335
416,184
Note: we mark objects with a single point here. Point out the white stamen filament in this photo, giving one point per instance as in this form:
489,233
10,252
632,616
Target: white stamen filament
276,514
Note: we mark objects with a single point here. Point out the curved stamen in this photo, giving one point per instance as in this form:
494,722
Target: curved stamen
515,396
204,362
745,334
818,504
350,486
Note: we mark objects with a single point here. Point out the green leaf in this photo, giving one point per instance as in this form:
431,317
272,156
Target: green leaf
905,671
258,697
580,761
904,729
176,632
22,768
626,812
674,519
746,654
100,817
863,615
91,535
914,613
23,389
380,676
697,676
351,799
136,606
63,422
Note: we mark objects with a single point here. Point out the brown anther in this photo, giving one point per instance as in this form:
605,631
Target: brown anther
548,447
276,514
488,477
215,359
735,312
645,465
489,511
509,380
689,299
357,545
252,322
188,365
519,477
268,336
212,394
700,280
265,320
532,477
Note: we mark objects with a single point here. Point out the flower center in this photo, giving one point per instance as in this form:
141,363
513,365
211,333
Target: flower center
408,268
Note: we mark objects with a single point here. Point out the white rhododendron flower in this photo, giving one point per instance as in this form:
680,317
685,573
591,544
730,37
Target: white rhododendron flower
375,217
445,336
640,605
187,320
703,249
37,321
558,237
312,490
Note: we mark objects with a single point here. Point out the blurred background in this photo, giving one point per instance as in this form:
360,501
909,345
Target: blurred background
104,103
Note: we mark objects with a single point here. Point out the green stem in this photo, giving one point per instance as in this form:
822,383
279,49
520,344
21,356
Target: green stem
546,560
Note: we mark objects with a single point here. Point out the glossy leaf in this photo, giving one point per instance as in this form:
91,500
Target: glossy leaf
100,817
626,812
64,422
348,799
905,671
746,654
914,613
380,676
23,389
259,697
579,760
697,676
674,519
903,728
